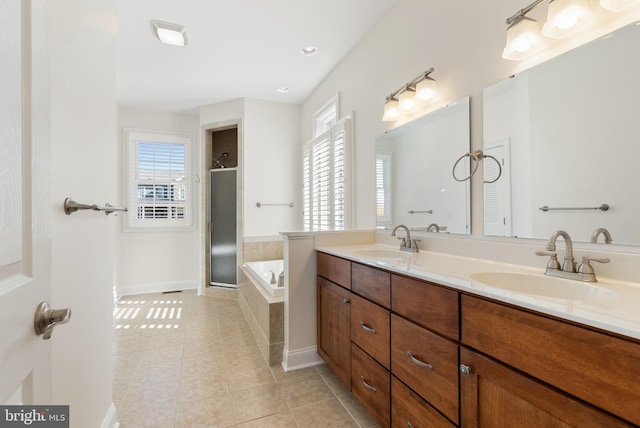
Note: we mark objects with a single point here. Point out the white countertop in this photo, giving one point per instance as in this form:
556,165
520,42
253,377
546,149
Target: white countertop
615,307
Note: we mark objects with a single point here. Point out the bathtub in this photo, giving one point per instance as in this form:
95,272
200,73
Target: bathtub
261,273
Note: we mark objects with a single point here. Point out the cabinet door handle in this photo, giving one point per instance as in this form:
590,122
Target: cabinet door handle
366,328
367,385
409,424
465,370
345,301
417,362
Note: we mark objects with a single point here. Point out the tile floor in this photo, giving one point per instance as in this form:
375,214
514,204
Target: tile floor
181,360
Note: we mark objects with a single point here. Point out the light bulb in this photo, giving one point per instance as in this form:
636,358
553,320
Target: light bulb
406,100
426,90
567,17
523,39
391,110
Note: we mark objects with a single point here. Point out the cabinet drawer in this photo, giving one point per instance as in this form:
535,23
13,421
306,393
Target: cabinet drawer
426,304
427,363
370,383
593,366
371,283
370,328
334,269
409,409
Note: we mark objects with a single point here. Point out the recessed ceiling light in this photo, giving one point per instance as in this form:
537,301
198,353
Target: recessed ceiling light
171,34
283,89
309,50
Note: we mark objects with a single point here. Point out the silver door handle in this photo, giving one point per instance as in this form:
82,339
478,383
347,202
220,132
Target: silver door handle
46,318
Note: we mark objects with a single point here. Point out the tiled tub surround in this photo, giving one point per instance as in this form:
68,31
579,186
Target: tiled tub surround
614,309
264,314
262,248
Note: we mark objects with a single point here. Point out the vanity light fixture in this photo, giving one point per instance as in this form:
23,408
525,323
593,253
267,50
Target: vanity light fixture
564,18
567,17
391,109
618,5
421,90
171,34
523,38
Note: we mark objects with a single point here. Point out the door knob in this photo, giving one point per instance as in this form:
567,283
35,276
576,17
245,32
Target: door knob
46,318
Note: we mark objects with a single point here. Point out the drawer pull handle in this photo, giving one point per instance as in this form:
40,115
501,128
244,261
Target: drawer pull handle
367,385
369,329
417,362
345,301
409,424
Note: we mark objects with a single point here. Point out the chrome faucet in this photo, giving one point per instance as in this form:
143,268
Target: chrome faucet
584,273
603,231
407,244
433,227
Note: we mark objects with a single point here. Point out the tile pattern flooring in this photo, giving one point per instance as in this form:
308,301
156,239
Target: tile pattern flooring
181,360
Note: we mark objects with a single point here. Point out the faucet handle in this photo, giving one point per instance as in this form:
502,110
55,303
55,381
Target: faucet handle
587,259
588,274
553,260
404,241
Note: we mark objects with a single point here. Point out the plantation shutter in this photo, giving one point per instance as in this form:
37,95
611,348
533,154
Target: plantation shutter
326,179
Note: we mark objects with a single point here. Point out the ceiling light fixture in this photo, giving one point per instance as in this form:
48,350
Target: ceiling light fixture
171,34
283,89
420,91
564,18
309,50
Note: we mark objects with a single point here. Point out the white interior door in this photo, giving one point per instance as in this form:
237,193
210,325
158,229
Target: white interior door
25,273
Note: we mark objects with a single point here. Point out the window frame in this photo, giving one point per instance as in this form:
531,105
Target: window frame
327,116
131,136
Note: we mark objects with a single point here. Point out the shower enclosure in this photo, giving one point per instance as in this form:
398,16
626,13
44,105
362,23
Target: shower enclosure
223,227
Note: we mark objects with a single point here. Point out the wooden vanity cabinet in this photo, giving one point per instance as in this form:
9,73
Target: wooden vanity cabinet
371,384
595,367
474,362
494,396
408,409
334,328
427,363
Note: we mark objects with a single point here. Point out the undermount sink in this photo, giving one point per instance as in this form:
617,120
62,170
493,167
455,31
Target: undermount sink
545,286
381,254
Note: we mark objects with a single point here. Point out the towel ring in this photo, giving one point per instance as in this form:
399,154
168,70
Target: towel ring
476,156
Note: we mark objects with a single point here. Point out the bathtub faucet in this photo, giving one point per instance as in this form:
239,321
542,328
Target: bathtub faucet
273,278
281,279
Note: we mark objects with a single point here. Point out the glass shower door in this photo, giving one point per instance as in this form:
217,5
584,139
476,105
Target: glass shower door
222,228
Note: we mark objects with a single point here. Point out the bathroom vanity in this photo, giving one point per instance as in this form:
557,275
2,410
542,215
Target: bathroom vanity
419,343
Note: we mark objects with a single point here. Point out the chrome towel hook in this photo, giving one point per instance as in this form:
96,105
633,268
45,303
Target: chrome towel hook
477,156
71,206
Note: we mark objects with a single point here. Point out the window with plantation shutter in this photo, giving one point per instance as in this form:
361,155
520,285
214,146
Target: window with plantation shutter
326,179
383,189
158,183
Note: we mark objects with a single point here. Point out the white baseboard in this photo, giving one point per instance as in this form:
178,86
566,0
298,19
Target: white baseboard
156,287
300,358
110,420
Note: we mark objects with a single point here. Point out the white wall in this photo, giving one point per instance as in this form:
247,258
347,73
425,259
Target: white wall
462,40
270,153
272,167
84,167
157,260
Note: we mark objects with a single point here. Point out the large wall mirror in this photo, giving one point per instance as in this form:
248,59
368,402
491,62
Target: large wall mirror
414,183
568,132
